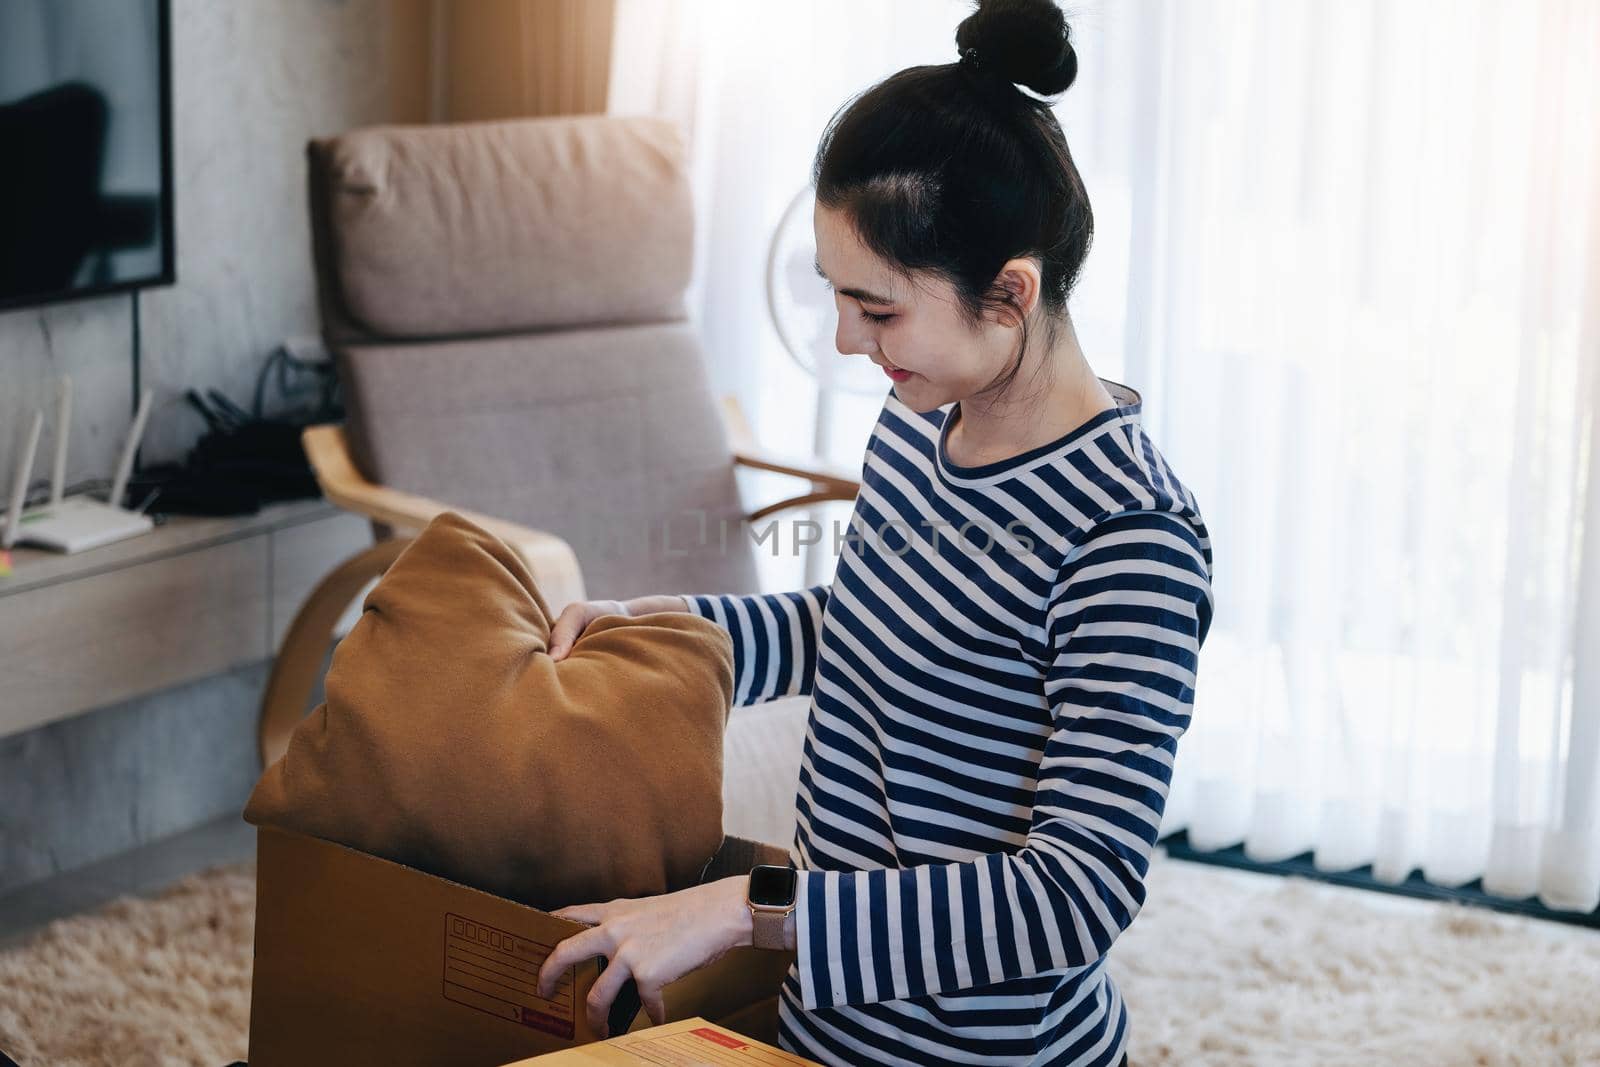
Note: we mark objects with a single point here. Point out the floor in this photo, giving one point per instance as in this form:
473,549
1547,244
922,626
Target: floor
141,871
1224,968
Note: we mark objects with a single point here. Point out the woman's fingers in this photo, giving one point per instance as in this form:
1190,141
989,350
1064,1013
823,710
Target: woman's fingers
574,618
604,992
595,941
655,1006
653,940
568,625
580,946
582,913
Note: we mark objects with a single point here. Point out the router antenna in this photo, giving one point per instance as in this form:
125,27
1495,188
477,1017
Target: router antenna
58,469
119,484
19,488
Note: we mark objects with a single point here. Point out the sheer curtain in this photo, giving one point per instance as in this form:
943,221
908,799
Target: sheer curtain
1350,254
753,85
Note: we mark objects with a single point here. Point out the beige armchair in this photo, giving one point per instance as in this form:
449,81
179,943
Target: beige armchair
504,301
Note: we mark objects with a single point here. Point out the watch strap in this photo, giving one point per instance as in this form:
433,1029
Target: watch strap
767,927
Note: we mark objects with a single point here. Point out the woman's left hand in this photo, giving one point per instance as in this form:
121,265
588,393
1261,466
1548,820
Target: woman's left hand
654,940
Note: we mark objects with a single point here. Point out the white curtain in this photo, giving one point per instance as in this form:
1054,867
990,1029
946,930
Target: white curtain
1350,253
753,84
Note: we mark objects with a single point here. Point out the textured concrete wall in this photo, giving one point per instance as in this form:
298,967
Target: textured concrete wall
78,790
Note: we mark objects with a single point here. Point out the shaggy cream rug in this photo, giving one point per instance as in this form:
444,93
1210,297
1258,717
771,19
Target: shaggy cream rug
137,983
1226,968
1222,968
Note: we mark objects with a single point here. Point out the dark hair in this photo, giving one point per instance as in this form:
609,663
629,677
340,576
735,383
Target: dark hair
951,169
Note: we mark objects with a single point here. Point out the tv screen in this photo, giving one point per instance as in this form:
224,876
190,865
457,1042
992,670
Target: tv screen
86,134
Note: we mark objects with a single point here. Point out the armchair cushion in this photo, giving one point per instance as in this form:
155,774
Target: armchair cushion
494,227
452,742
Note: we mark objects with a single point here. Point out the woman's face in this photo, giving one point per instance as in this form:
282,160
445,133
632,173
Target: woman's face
913,330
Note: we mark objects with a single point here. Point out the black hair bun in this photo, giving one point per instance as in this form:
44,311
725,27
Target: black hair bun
1024,41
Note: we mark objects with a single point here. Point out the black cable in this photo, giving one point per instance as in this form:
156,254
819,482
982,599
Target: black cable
138,372
198,402
233,413
261,380
279,366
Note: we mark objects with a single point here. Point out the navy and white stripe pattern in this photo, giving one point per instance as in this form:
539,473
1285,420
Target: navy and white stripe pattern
990,741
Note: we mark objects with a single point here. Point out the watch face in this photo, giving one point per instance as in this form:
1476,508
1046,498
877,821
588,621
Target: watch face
773,887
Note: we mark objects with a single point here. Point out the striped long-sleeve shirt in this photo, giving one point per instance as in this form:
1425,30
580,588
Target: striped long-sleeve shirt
990,740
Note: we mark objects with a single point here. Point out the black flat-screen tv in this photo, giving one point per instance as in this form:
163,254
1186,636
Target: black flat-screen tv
86,144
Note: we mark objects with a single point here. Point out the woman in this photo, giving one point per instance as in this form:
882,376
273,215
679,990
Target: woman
1005,660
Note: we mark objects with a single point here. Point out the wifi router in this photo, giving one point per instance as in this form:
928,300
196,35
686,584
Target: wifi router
76,523
79,523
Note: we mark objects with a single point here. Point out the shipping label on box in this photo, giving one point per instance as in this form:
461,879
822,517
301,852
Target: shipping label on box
497,971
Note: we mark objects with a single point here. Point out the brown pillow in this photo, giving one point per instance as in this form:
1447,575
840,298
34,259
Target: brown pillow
452,742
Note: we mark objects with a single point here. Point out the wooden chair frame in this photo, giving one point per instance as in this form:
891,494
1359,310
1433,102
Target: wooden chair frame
550,559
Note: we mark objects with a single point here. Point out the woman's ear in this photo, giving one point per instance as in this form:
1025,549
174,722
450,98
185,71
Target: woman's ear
1020,278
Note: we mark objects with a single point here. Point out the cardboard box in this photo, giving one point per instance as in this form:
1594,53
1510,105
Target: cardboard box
758,1020
361,960
688,1041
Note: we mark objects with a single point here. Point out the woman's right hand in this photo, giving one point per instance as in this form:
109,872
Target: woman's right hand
576,617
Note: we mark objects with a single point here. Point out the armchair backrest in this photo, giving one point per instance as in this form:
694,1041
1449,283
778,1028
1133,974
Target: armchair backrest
504,301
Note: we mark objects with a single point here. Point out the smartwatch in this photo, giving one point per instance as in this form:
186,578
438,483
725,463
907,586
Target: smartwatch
770,897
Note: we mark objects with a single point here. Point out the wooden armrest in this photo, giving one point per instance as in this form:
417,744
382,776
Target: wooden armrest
821,474
832,480
552,561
